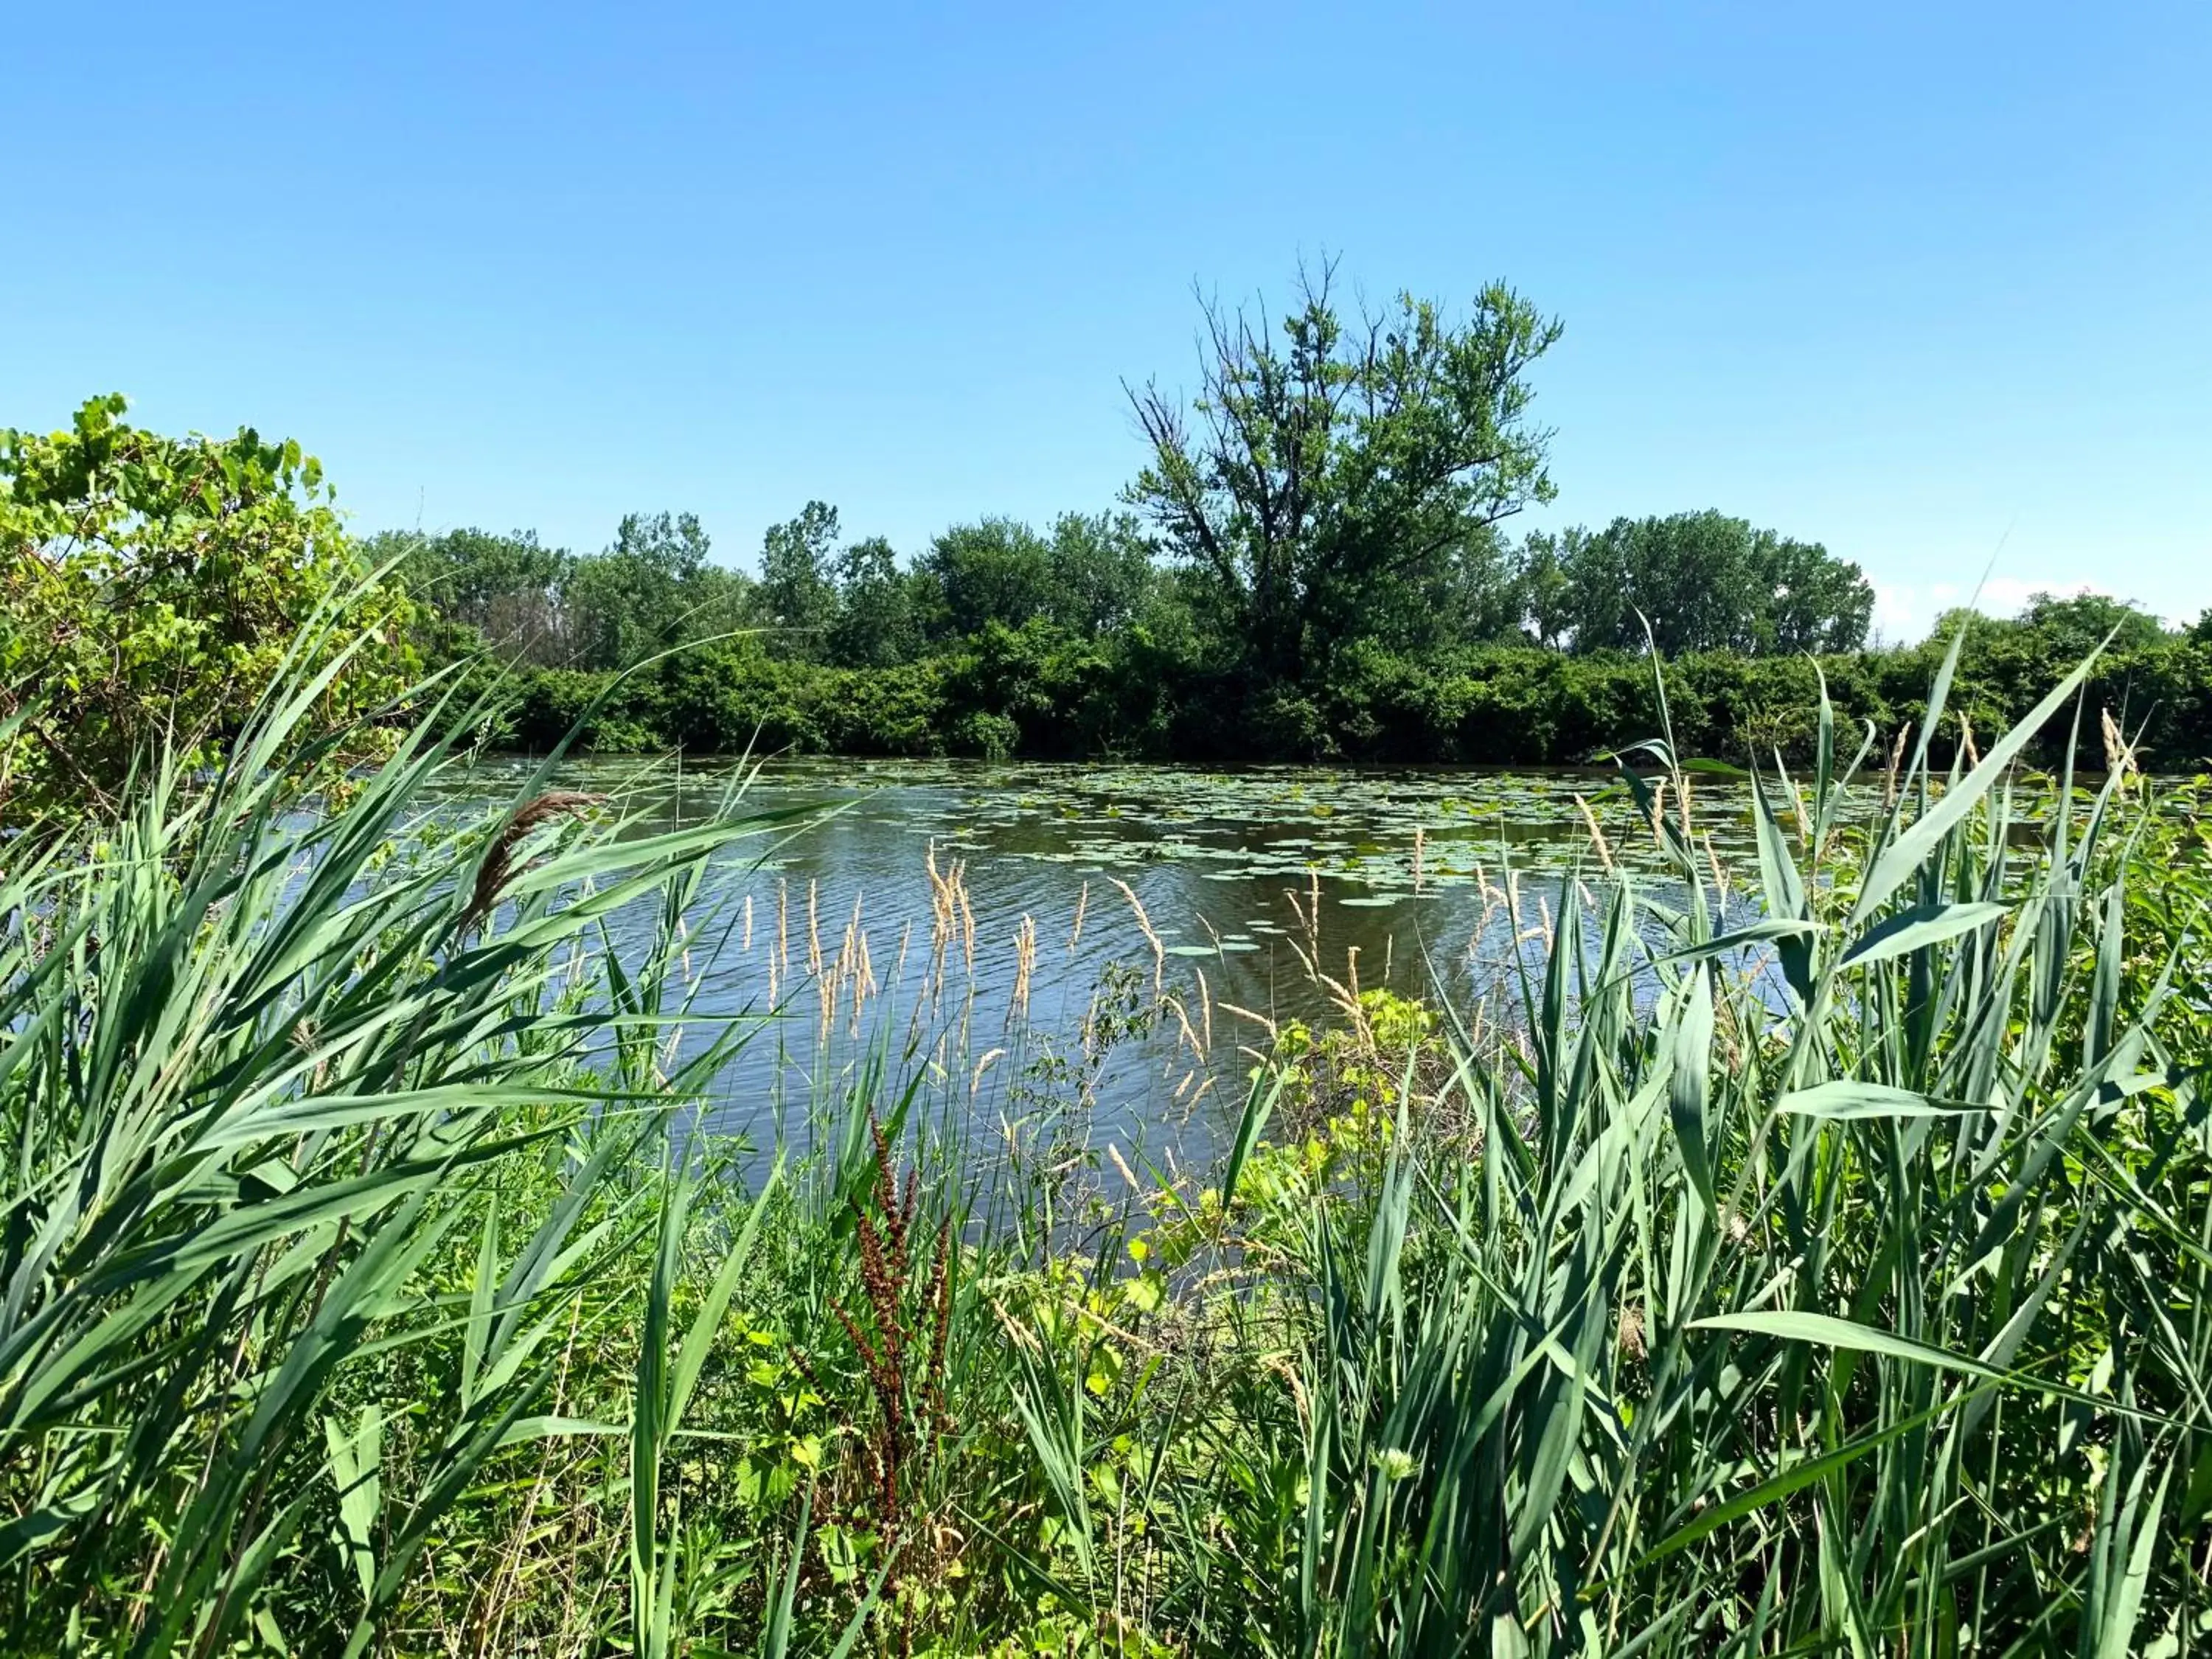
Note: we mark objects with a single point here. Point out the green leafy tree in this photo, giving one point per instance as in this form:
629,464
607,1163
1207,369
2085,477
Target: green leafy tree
652,590
995,570
1545,585
1812,600
1101,576
1706,581
798,590
1468,594
150,588
1311,473
1690,575
478,588
874,626
2075,624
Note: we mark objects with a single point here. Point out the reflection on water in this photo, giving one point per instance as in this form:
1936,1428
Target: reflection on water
1126,934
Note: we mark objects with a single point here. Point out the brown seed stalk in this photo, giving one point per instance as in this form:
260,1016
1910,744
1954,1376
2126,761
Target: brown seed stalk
498,868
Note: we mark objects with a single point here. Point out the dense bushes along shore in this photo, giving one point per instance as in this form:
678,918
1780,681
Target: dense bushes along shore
1038,691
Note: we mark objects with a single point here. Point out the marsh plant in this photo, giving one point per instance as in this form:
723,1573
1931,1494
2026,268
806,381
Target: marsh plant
1821,1277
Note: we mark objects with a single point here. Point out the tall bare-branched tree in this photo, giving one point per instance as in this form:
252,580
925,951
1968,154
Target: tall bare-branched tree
1312,476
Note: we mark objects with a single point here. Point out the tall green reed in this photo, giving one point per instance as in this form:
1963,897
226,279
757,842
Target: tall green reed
1843,1295
1824,1280
262,1069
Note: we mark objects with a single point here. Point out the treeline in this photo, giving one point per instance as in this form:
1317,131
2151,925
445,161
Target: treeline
1709,583
1034,691
1081,642
1313,561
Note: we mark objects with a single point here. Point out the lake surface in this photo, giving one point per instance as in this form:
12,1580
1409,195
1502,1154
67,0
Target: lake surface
1123,935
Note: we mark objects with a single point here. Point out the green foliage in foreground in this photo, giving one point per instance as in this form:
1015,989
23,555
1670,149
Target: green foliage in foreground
152,588
1832,1284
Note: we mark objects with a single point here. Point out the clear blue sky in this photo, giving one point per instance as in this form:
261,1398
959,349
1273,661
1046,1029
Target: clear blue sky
1926,282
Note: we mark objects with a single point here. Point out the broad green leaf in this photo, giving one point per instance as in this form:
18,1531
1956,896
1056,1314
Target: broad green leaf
1917,929
1847,1099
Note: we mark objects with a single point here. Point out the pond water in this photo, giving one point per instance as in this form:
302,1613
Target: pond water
1123,935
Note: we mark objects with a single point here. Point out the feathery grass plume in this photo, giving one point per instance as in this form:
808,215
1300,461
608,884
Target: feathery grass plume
1145,927
497,870
1722,886
865,987
779,961
1174,1004
967,931
1597,835
1017,1006
990,1058
2119,755
1082,908
949,919
1121,1166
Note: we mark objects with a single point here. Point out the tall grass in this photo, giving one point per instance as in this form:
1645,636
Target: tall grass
1853,1306
266,1077
1823,1280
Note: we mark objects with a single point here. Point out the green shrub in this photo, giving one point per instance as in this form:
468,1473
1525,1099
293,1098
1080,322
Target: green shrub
1131,697
986,736
153,589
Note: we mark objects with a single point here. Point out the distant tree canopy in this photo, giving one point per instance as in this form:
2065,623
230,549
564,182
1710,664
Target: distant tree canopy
2079,623
797,592
874,617
1339,480
1318,481
1090,575
475,586
1705,582
818,599
1312,560
995,570
150,589
2073,625
654,588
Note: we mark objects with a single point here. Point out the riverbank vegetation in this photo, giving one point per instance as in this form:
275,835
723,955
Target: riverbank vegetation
1829,1281
1315,561
152,588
